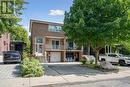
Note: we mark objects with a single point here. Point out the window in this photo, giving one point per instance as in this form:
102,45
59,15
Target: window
39,45
112,55
55,44
39,40
71,44
54,28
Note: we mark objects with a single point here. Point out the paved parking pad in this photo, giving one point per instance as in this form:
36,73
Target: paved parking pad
8,71
72,69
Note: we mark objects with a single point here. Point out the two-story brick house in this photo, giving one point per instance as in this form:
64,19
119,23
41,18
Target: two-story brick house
49,42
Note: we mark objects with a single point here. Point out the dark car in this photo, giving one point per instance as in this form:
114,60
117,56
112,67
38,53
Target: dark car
11,56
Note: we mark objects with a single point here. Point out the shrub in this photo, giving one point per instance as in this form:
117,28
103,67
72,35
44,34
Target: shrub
83,60
91,61
31,68
24,55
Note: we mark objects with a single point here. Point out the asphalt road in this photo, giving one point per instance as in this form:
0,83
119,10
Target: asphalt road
123,82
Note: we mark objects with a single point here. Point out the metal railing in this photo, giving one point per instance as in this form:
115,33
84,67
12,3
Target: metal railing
54,47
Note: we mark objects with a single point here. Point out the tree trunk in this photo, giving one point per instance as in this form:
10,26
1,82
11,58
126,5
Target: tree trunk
88,49
97,56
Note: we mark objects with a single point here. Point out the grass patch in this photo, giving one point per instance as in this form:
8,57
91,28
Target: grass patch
98,67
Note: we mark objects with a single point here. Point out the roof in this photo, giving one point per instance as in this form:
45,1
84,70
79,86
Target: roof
44,22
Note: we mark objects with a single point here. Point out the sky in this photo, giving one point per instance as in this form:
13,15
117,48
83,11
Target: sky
46,10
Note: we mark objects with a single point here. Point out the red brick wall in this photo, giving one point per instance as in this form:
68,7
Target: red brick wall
41,30
5,42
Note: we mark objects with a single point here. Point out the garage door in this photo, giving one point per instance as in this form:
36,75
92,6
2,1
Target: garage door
55,57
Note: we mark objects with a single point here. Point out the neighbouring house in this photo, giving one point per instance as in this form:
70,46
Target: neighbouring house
49,42
16,45
4,42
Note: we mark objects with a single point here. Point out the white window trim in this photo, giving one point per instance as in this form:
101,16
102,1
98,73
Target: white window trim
55,40
37,53
50,30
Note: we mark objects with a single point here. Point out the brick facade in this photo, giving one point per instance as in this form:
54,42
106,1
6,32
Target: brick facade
5,42
40,29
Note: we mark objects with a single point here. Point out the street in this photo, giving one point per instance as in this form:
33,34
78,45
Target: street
123,82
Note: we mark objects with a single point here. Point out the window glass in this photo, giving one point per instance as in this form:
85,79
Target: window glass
54,28
71,44
39,40
112,55
55,44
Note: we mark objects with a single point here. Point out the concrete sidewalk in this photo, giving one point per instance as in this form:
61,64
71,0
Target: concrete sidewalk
49,80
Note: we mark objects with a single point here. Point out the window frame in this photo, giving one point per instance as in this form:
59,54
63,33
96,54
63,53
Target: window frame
54,28
38,44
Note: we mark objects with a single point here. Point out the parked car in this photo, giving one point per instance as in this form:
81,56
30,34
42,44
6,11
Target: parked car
11,56
115,58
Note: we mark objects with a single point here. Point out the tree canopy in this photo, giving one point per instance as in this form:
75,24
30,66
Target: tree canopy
98,22
8,21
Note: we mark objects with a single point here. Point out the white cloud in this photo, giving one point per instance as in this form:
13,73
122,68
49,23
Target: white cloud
56,12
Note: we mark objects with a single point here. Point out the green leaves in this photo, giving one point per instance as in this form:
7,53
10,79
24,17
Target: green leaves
98,21
8,21
31,68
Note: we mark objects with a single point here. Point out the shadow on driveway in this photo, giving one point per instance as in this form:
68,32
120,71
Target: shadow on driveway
71,69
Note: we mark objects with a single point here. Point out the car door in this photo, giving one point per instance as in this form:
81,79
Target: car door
113,58
110,58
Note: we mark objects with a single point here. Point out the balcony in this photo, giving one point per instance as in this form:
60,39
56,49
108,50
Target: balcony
54,47
73,48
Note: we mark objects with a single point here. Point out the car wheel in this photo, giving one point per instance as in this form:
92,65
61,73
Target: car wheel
122,63
5,62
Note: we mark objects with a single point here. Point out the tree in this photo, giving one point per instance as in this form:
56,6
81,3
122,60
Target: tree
97,23
20,34
7,21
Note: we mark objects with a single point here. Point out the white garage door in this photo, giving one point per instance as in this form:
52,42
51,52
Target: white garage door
55,57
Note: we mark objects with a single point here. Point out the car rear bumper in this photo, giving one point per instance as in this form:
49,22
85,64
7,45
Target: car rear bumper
9,61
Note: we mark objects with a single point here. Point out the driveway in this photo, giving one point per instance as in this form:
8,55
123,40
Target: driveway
8,71
55,73
10,76
69,73
60,69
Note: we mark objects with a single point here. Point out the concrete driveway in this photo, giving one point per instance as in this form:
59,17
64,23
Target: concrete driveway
10,76
55,73
8,71
69,73
69,69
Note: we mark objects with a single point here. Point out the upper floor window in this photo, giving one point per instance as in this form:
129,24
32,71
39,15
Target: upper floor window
54,28
55,44
39,40
70,44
